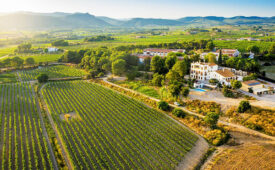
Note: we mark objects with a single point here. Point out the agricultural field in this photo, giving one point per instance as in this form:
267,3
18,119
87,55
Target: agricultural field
8,78
246,157
242,45
59,71
270,71
37,57
22,141
102,129
6,51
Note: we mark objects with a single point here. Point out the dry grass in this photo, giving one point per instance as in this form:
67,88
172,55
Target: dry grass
246,157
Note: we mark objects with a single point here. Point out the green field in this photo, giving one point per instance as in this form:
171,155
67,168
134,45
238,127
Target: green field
6,51
270,71
59,71
8,77
23,144
140,87
106,130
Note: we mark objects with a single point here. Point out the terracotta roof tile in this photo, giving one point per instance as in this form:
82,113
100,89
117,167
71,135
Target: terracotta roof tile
225,73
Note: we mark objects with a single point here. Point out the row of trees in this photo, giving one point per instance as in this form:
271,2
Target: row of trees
60,43
17,62
99,38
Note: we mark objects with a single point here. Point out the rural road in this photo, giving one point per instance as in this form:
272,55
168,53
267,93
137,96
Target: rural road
59,139
44,130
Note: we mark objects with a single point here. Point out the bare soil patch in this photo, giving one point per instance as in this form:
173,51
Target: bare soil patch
68,116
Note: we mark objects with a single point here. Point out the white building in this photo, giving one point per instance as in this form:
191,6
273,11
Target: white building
207,71
52,49
201,71
161,52
229,52
224,76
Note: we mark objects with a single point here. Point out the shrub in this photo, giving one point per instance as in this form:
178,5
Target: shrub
179,113
162,105
43,78
213,81
252,76
216,137
211,119
203,107
101,74
185,91
131,76
227,92
244,106
250,90
236,84
157,80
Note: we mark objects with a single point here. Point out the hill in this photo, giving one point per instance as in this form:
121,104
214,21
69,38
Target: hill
35,21
60,20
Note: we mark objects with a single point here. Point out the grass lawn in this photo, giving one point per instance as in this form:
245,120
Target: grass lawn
140,87
270,71
8,78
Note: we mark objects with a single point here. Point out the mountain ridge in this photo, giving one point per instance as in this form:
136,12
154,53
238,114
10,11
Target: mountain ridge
61,20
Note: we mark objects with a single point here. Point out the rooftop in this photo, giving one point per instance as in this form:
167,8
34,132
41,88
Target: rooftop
226,51
163,50
209,64
225,73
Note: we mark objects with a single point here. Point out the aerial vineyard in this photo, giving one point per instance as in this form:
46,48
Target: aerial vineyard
22,142
102,129
59,71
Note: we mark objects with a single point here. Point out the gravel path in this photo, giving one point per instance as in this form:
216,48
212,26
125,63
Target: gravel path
59,139
44,130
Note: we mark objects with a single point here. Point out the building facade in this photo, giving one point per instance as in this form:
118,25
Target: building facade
201,71
224,76
161,52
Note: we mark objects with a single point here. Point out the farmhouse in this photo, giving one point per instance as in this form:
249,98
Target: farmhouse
161,52
200,71
224,76
230,52
52,49
256,87
206,71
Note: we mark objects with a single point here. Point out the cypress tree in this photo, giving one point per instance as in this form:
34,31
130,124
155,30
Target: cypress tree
220,58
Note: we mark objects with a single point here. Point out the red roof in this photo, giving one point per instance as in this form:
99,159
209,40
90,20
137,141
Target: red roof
225,73
162,50
227,51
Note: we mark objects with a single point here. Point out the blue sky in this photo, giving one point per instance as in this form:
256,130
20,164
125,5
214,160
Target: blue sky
146,8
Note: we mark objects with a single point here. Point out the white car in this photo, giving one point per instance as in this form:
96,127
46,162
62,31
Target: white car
176,103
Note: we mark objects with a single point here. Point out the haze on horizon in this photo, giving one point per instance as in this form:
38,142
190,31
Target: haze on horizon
146,8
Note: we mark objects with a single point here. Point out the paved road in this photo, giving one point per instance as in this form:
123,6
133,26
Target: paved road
236,126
